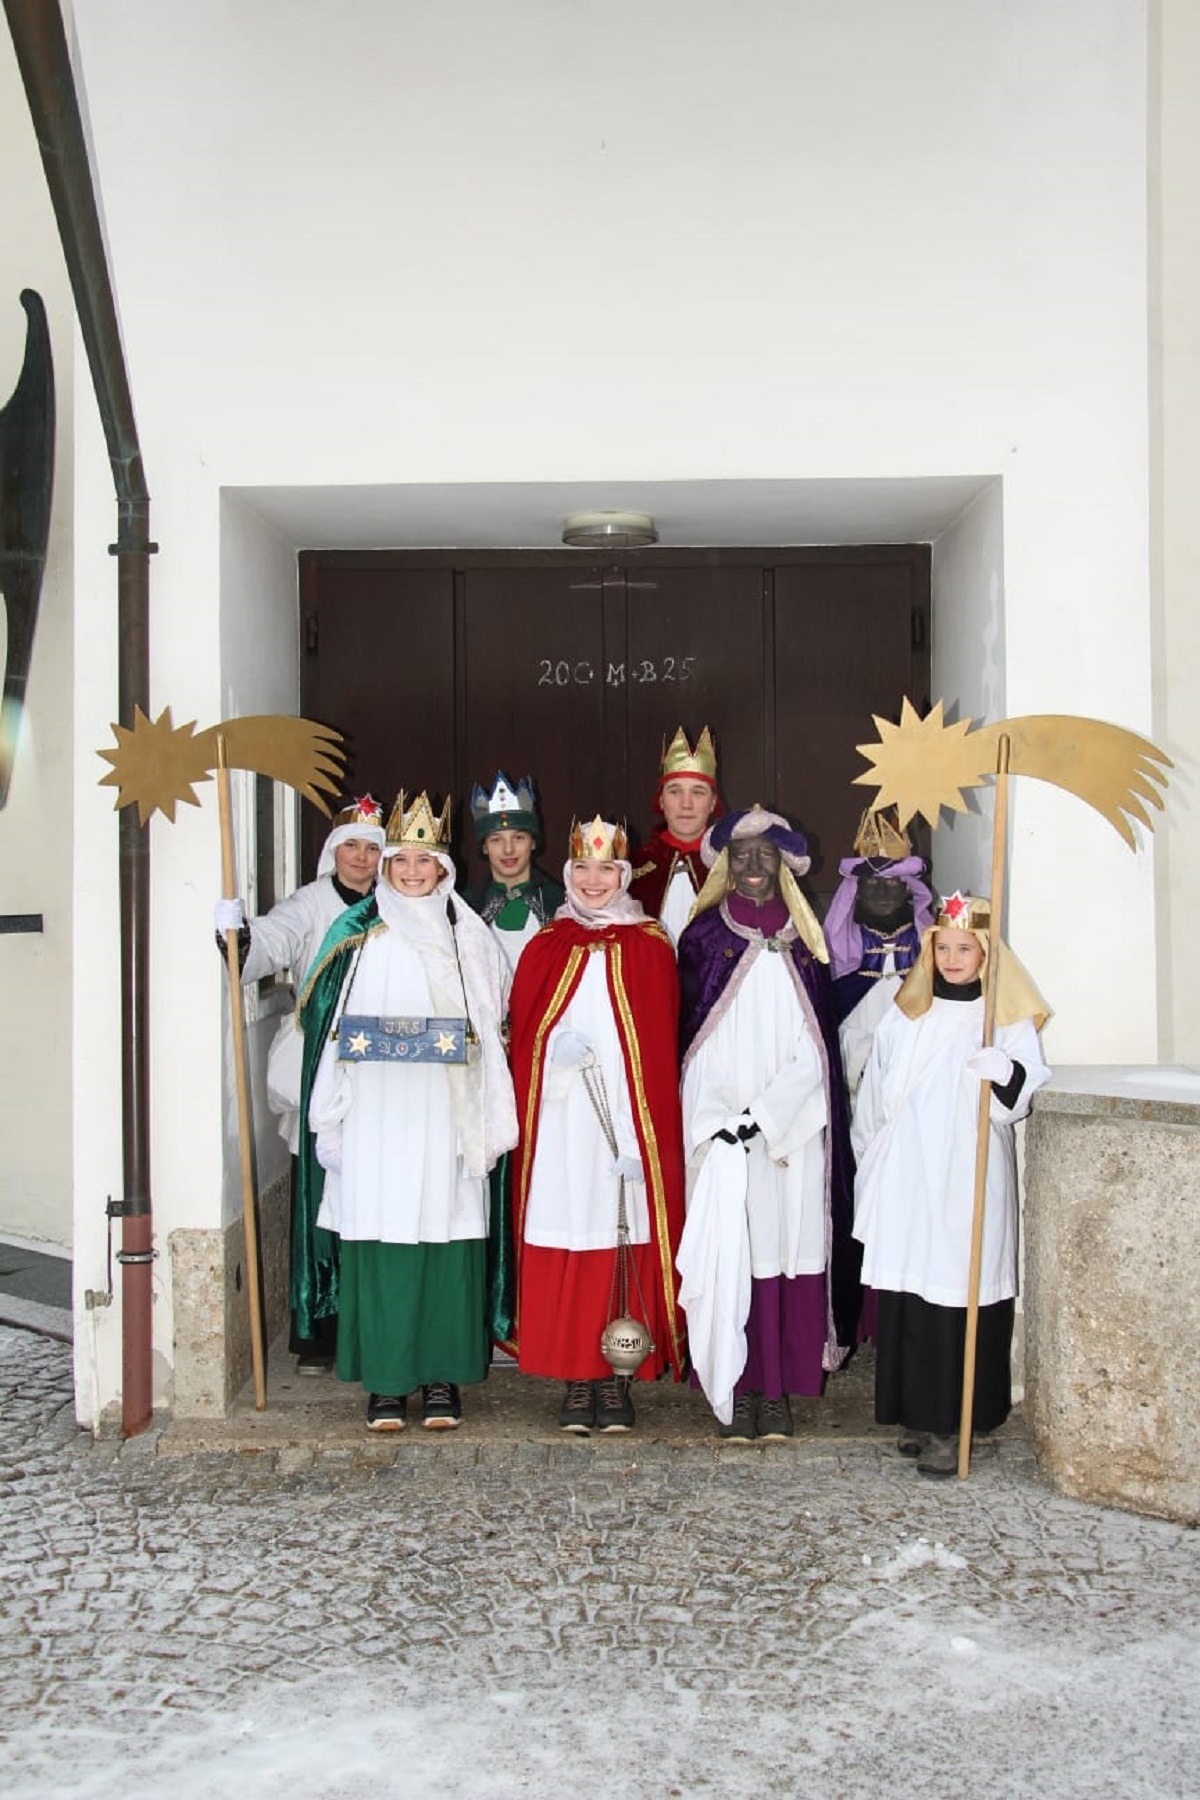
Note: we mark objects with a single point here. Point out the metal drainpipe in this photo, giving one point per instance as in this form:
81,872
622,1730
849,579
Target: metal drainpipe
45,63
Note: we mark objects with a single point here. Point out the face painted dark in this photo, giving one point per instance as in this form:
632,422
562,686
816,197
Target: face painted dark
754,868
884,903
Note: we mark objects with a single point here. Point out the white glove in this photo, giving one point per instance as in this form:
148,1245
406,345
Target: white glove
992,1064
229,915
630,1167
329,1149
570,1049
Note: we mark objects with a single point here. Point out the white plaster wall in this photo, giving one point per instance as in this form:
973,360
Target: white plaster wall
405,242
96,994
35,847
1175,338
260,664
967,584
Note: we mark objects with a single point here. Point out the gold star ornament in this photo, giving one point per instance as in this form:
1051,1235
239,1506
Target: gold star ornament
156,765
923,765
444,1043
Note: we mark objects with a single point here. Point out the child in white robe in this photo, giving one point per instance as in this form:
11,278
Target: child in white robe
914,1135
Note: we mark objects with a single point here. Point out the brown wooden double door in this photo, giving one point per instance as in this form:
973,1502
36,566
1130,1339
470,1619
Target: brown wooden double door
442,667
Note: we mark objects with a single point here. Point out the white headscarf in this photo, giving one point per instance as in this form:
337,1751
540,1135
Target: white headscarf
620,910
341,834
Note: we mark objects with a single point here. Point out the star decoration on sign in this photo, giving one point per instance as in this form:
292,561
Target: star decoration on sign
157,764
445,1042
923,765
359,1044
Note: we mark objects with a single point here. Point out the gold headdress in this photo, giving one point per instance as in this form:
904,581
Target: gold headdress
963,912
879,840
598,842
680,759
363,810
414,826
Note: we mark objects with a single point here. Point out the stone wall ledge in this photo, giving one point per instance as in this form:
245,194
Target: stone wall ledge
1164,1093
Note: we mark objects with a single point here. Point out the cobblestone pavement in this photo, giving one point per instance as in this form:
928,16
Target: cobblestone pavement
532,1618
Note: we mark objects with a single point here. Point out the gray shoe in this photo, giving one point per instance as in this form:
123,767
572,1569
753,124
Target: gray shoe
744,1424
911,1443
939,1458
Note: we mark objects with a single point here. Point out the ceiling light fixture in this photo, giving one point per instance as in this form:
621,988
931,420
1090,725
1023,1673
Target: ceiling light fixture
609,530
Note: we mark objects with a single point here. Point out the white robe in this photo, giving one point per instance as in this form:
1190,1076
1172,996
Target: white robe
512,943
914,1135
761,1057
758,1211
407,1148
580,1212
856,1033
288,938
677,904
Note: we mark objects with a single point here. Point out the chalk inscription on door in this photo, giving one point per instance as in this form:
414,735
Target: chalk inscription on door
565,673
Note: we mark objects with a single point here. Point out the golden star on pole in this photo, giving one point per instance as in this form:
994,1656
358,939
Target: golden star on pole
156,765
923,765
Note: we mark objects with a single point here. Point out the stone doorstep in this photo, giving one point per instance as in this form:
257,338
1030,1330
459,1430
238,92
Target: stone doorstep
513,1414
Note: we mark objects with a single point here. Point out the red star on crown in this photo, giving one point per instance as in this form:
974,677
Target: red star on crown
958,910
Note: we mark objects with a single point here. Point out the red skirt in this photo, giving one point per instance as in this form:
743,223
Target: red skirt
563,1308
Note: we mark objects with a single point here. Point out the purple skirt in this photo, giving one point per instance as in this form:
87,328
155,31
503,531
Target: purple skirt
785,1337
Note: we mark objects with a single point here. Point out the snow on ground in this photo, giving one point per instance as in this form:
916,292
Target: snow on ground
635,1625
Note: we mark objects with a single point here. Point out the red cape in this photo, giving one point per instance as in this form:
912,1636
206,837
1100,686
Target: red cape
654,865
643,987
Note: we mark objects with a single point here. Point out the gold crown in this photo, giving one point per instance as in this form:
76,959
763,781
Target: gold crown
879,840
679,758
416,826
964,912
598,842
363,810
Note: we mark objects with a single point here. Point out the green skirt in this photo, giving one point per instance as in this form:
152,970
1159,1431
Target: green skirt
413,1313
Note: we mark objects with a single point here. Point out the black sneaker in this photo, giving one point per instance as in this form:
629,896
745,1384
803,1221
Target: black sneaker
314,1365
614,1406
442,1404
578,1410
774,1419
387,1412
744,1424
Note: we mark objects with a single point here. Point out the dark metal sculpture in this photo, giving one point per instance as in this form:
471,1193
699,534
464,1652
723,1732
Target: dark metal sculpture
26,486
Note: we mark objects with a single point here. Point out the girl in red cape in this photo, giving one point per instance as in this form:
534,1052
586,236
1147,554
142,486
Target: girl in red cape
594,1022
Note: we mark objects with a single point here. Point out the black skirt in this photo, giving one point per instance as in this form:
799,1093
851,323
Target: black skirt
919,1364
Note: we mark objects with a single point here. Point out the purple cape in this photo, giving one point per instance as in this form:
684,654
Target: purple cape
852,987
709,952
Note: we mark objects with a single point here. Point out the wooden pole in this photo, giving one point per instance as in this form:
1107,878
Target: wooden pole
241,1078
983,1134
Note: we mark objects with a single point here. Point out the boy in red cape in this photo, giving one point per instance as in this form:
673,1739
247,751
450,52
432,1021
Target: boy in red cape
670,872
594,1018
